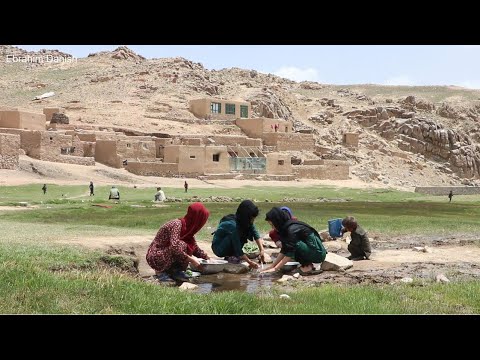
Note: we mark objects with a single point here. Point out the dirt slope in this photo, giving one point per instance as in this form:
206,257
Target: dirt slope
121,88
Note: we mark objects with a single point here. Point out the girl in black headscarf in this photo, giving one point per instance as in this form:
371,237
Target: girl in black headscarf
300,242
233,232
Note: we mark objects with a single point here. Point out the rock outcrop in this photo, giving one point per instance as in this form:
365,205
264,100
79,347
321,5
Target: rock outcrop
423,136
268,104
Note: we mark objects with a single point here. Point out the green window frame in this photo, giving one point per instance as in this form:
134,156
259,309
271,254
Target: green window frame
243,111
216,108
230,109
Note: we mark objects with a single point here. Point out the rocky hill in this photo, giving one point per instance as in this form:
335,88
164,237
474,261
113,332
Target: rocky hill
409,135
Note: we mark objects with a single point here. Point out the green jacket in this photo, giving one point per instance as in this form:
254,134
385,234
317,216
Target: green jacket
302,242
226,241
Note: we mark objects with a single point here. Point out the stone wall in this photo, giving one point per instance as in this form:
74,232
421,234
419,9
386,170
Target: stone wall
192,141
337,169
310,172
30,143
322,150
258,127
290,141
53,144
314,162
331,170
86,136
279,164
77,160
229,139
107,135
140,149
252,127
280,177
106,153
152,168
10,131
191,159
77,146
49,111
9,162
444,190
22,120
216,140
268,125
171,154
69,127
254,142
88,149
9,148
160,144
217,160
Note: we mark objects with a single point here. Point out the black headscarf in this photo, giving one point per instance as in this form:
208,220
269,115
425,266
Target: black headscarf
278,217
282,221
246,211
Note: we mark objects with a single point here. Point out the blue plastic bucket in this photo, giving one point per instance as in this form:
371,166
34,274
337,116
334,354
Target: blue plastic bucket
335,227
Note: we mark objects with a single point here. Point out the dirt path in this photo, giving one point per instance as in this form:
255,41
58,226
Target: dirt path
34,171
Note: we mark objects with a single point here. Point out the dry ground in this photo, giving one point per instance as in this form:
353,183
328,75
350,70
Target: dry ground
32,171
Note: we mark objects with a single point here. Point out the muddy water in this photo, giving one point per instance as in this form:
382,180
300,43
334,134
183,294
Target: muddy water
251,282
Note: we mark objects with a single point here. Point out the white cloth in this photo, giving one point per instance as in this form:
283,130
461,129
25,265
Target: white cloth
160,195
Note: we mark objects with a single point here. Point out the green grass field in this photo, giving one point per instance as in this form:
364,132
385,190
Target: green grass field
31,285
29,262
384,211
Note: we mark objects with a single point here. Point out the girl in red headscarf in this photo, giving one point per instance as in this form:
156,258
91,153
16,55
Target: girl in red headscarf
171,251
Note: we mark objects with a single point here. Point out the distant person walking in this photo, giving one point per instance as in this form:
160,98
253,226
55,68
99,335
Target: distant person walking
44,188
450,195
91,188
185,186
114,193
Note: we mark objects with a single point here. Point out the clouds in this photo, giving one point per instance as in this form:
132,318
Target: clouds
400,80
298,74
408,81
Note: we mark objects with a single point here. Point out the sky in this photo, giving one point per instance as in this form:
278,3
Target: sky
329,64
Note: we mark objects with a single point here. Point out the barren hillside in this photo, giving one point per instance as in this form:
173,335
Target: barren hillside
430,139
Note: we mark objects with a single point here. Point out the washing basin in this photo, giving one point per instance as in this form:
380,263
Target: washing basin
213,266
289,266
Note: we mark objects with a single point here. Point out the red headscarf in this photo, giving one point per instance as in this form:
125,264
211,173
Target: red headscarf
197,216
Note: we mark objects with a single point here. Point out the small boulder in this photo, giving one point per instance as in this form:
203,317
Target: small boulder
285,278
241,268
334,262
442,278
187,286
